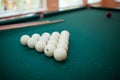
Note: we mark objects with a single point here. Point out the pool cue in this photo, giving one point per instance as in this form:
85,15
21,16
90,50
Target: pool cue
28,24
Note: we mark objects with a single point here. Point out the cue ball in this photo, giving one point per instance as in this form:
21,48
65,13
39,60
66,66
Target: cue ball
49,50
24,39
36,36
39,46
46,34
60,54
31,42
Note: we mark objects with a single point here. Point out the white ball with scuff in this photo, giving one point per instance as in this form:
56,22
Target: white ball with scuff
46,34
49,50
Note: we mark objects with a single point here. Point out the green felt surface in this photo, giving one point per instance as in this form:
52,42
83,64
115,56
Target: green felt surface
94,49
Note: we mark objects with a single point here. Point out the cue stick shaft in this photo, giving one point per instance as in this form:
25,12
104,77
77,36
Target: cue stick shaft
28,24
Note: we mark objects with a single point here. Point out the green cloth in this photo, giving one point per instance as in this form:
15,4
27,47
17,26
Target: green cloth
94,49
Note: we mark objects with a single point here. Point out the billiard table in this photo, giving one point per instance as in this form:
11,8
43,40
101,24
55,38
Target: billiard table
94,48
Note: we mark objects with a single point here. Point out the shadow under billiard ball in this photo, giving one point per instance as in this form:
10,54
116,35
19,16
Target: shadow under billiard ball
109,14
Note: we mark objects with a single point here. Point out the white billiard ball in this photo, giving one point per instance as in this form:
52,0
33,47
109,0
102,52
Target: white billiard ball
35,36
52,42
49,50
43,38
56,34
24,39
31,42
60,54
54,37
39,46
46,34
65,32
64,37
63,45
63,40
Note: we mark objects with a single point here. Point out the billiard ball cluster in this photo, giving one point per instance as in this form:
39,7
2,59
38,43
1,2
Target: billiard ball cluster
53,45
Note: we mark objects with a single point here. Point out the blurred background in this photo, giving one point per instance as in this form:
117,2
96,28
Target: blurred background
7,6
